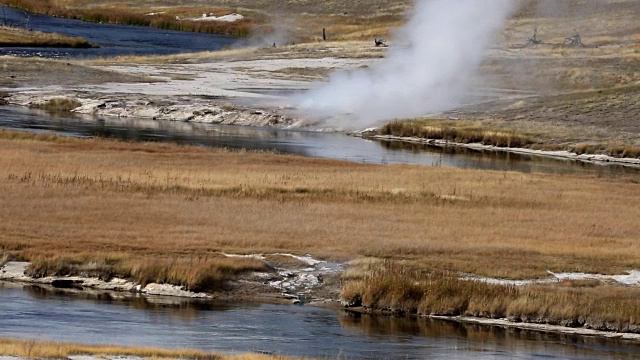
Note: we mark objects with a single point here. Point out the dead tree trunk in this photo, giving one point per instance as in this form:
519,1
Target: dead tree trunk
534,39
574,41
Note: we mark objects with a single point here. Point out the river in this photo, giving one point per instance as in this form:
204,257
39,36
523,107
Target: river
114,40
304,143
109,318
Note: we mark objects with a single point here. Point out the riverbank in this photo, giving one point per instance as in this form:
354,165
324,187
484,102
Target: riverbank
19,37
271,278
557,154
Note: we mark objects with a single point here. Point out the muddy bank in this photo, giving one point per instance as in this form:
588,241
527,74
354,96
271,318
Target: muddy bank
563,155
291,279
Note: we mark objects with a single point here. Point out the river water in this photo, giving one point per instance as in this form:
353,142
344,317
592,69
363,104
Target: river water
109,318
114,40
305,143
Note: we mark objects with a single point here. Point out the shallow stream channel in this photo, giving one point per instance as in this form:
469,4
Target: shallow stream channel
127,319
305,143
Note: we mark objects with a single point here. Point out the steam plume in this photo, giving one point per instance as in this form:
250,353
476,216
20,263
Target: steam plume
447,42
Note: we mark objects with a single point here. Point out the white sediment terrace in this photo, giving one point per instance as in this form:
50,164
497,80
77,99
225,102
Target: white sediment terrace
199,93
296,281
632,278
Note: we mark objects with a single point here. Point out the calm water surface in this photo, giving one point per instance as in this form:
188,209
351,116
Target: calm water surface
114,40
34,312
305,143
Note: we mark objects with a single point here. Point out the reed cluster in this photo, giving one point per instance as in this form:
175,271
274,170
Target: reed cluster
451,131
206,273
399,288
619,151
18,37
59,105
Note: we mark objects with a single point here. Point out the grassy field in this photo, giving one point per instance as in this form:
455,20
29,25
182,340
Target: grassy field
13,37
34,349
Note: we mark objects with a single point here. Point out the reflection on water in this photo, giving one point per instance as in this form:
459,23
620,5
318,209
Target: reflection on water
128,319
523,340
305,143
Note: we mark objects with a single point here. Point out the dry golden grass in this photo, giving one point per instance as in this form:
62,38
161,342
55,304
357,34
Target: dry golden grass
59,105
22,37
393,287
457,131
50,350
202,273
68,197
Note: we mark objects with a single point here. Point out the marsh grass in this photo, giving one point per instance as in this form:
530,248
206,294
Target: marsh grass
394,287
619,151
164,200
59,105
198,274
4,257
35,349
18,37
456,132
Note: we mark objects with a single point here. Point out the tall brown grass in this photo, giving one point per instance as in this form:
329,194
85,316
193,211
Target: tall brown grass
456,132
18,37
59,105
35,349
200,274
407,289
620,151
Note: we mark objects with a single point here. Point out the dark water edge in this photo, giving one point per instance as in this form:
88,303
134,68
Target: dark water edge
114,40
305,143
35,312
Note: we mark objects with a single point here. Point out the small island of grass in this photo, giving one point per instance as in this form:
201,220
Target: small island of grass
19,37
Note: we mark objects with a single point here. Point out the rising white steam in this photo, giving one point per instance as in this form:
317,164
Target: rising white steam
447,41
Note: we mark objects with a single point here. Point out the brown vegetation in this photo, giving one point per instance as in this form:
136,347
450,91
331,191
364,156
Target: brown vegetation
67,197
16,37
460,132
59,105
303,19
117,14
476,132
34,349
395,288
205,273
